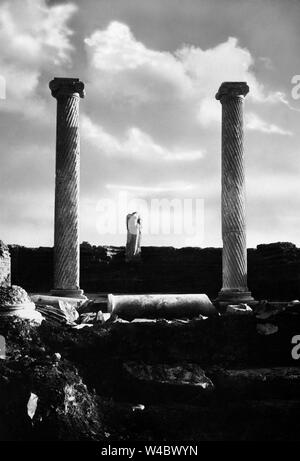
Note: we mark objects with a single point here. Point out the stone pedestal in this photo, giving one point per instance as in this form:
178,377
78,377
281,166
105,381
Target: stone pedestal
67,91
234,259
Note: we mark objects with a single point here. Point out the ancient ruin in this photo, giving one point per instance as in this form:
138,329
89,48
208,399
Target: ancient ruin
150,306
234,289
14,300
146,355
67,92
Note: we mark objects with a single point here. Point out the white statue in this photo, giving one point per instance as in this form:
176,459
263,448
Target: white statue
133,245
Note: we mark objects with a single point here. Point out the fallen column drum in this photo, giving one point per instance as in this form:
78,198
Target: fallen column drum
154,306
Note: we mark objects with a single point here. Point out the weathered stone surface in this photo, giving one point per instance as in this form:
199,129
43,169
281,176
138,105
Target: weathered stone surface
239,309
5,265
234,288
58,309
226,341
13,295
55,314
88,317
252,398
180,375
67,91
77,303
14,301
65,410
166,306
170,381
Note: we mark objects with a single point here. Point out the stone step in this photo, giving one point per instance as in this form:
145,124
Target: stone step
189,382
228,341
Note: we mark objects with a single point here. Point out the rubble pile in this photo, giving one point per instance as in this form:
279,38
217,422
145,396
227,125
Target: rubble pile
228,377
42,396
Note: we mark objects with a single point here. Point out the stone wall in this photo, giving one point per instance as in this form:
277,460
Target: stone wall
273,270
5,279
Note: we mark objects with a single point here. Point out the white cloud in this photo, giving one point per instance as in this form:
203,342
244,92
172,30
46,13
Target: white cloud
124,69
144,74
225,62
254,122
135,144
280,96
35,38
34,31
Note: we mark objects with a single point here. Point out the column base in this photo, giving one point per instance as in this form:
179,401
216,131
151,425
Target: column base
68,293
235,296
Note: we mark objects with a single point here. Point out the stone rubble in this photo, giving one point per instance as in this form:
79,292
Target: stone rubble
239,309
266,329
57,310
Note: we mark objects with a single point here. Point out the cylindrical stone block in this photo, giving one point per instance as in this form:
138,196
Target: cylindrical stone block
66,222
155,306
234,257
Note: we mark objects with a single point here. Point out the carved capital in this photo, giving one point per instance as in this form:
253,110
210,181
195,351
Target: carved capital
232,90
67,87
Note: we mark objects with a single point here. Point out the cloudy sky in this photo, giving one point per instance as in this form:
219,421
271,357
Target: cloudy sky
150,126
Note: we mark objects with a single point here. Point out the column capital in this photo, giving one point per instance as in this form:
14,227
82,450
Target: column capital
232,90
66,87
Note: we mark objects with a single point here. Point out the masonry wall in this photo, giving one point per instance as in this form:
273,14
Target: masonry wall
273,270
5,266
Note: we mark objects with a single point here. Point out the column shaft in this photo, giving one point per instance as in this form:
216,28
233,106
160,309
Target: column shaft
66,228
234,256
233,196
66,225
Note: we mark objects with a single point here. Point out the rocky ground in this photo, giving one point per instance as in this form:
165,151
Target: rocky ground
232,377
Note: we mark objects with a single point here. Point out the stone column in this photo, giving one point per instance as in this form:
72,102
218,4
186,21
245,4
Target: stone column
234,258
67,91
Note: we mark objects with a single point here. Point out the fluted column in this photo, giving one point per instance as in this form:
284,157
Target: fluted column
67,91
234,257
